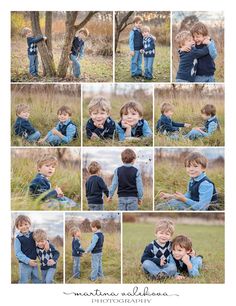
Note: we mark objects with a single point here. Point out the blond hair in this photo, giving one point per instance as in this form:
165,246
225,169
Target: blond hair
146,29
84,31
39,235
45,159
99,102
181,37
165,225
74,230
25,31
94,167
165,107
21,107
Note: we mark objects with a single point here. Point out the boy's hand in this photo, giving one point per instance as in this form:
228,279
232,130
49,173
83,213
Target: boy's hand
45,38
51,262
165,196
131,53
94,136
59,192
187,124
98,125
179,196
192,253
141,51
55,131
109,199
179,277
33,263
185,49
140,202
198,129
125,125
206,40
162,261
46,246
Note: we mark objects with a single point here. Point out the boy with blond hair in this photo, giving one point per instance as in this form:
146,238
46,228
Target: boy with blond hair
25,251
77,50
100,125
148,52
136,47
206,65
32,50
47,254
186,263
132,123
65,131
77,251
165,124
23,126
95,187
156,256
128,180
96,248
40,186
188,59
201,191
208,113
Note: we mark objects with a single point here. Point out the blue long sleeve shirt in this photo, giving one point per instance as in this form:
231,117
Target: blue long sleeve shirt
139,183
70,131
17,247
205,194
195,266
93,243
23,127
212,127
146,131
32,44
39,185
166,125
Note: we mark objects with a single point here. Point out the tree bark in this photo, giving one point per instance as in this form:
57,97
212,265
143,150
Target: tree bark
48,64
71,29
120,26
48,31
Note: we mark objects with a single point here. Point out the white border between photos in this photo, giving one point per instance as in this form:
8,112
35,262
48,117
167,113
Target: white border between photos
194,294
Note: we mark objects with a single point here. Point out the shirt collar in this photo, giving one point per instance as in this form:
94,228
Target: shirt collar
66,122
210,119
198,178
128,165
26,235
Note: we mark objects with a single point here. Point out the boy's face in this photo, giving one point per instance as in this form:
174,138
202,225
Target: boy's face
82,36
29,34
24,114
146,34
63,117
198,38
47,169
163,236
169,113
94,229
189,42
194,170
41,243
99,116
138,24
205,116
131,118
78,234
23,227
178,252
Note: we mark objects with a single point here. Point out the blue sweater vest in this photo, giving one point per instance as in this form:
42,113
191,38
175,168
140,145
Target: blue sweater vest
28,246
63,127
206,65
76,46
208,122
99,245
138,131
194,189
127,186
138,40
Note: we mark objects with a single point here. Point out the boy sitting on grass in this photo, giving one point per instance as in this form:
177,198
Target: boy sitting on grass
165,124
32,50
186,263
156,256
132,124
129,182
208,113
95,187
100,125
23,126
25,251
64,132
77,50
201,191
47,254
40,186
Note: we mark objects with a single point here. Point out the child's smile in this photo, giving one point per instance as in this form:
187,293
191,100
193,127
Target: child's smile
131,118
63,117
24,115
163,236
41,244
198,38
194,170
179,252
23,227
99,116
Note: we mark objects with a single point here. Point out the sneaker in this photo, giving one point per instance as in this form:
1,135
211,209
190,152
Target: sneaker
162,276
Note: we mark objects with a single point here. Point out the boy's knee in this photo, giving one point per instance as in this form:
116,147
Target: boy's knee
172,269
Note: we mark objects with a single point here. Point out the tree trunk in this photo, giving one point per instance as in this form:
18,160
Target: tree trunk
71,29
120,26
48,31
47,61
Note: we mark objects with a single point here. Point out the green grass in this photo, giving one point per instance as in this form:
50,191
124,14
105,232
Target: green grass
116,103
43,111
161,66
172,177
24,170
110,260
188,110
208,241
58,279
93,68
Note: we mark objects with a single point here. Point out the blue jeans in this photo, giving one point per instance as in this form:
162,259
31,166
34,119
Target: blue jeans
34,137
152,269
127,203
53,140
57,203
33,64
96,265
173,205
28,273
205,78
181,81
148,67
75,65
193,134
48,275
76,266
96,206
136,64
